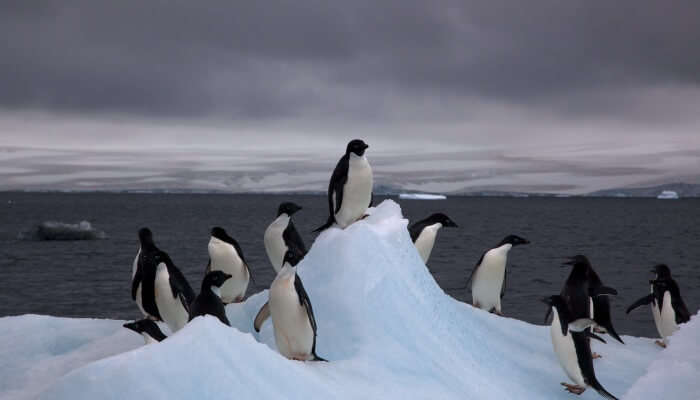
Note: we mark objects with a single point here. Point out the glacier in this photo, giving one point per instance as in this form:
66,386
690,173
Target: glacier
387,328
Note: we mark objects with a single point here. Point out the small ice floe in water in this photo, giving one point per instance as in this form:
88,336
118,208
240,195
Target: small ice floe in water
422,196
667,195
52,230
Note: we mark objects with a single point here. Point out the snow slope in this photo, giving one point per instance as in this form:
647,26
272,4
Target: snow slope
387,328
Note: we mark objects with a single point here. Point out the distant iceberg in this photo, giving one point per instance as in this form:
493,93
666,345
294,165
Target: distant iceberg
667,195
52,230
421,196
388,329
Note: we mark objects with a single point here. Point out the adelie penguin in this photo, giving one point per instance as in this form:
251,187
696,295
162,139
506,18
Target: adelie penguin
158,287
667,305
281,235
226,255
585,295
145,242
148,329
173,294
293,320
489,275
572,347
350,187
424,232
208,302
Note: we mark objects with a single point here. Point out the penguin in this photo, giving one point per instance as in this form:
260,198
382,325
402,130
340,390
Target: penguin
143,281
350,187
173,294
209,299
226,255
667,305
584,293
145,235
281,235
424,232
600,308
572,347
148,329
489,275
293,320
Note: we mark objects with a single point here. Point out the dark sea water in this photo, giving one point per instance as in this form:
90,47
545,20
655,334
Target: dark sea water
623,238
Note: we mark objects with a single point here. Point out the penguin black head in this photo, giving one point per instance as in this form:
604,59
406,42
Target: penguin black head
442,219
288,208
292,257
215,278
578,260
219,233
145,237
662,271
356,146
514,240
146,326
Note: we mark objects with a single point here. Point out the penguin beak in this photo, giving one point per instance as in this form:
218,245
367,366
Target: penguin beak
570,262
366,146
546,300
525,241
451,224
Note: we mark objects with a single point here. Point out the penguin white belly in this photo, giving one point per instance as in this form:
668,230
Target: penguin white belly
224,258
656,313
170,308
294,335
668,317
357,192
488,281
274,242
566,351
426,241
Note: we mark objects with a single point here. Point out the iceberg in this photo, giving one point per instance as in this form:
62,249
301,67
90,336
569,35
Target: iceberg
52,230
667,195
422,196
386,327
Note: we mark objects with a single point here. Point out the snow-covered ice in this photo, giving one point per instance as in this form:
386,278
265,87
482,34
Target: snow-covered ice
387,328
53,230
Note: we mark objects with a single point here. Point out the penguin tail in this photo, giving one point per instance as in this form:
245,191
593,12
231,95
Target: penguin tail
601,390
317,358
331,221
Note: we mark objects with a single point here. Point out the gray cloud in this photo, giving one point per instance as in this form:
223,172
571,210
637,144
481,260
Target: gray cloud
270,60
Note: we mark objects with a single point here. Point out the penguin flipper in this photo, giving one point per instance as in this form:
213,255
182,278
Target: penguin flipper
594,336
208,268
317,358
602,291
292,238
263,315
476,267
503,286
641,302
679,307
305,302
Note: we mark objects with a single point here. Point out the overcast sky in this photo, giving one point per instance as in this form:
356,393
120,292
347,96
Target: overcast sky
566,95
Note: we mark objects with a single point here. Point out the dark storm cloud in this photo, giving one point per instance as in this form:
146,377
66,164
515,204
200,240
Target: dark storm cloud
351,59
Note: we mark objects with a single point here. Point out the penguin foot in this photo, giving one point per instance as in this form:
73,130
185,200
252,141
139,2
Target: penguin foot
575,389
596,355
497,312
660,344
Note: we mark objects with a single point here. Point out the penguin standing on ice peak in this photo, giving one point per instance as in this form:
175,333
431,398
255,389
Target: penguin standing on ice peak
148,329
173,294
226,255
208,301
293,320
667,305
350,187
424,232
572,347
489,275
281,235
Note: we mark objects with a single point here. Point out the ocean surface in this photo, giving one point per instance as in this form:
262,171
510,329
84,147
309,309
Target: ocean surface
623,238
